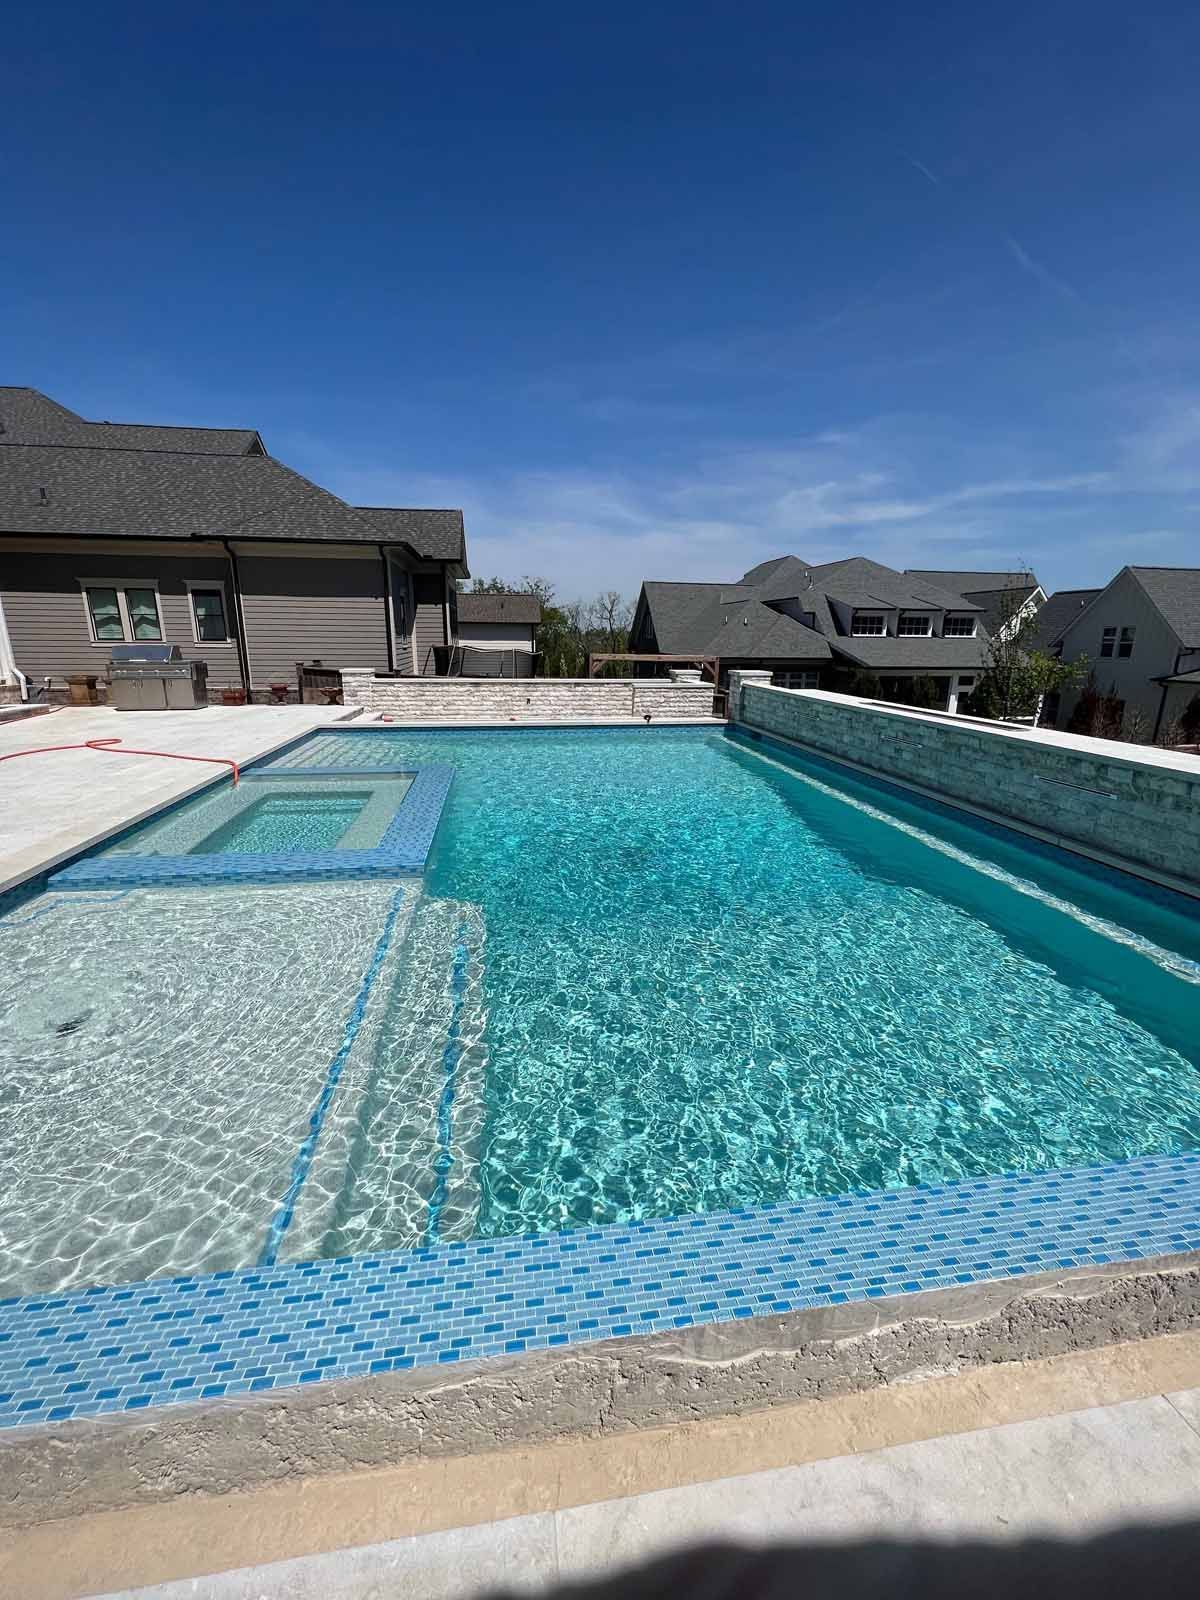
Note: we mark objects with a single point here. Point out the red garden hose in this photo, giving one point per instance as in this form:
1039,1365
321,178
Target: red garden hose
106,744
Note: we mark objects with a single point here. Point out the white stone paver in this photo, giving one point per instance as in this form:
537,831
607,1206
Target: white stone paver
1071,1476
52,806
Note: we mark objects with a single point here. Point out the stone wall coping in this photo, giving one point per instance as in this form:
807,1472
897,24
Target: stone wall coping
1109,750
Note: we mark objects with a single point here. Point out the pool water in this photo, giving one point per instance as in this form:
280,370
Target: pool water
274,816
648,972
286,822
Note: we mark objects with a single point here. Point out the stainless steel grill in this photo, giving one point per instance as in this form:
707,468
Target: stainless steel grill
155,677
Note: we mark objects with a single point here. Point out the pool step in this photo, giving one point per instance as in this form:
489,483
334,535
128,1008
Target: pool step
399,1158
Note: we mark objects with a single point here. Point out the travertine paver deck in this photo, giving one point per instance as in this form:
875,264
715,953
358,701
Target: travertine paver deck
52,806
1067,1476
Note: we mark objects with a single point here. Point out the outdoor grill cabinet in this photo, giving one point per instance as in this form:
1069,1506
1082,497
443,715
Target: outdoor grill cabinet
155,677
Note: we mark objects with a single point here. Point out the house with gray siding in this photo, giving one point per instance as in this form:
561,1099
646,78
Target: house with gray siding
1141,638
128,532
497,635
845,625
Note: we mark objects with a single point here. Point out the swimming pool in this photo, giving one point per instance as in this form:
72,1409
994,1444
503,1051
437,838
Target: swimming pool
647,973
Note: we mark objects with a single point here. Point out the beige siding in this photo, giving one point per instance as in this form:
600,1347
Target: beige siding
429,622
305,608
46,618
1124,604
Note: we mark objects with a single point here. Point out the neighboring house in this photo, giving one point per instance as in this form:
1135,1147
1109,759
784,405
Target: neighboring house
497,634
822,626
114,532
1141,637
1004,598
1062,608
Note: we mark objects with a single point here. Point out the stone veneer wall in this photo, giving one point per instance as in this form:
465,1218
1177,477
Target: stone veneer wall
524,699
1141,807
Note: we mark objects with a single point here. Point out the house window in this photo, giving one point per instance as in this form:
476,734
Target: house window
117,614
868,625
958,628
1125,643
912,626
1108,641
104,612
208,615
796,680
142,608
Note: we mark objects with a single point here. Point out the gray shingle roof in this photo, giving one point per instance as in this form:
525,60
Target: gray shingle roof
517,608
29,417
693,618
860,582
975,582
1057,615
1176,593
998,606
916,655
438,535
62,475
735,620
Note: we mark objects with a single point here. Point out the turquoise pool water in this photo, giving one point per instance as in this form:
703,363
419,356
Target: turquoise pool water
277,816
646,973
277,823
710,980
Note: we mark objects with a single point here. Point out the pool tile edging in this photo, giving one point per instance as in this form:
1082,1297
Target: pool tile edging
130,1347
404,849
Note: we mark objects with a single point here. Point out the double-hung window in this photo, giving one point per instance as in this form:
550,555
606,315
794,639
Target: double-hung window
119,613
209,622
1114,642
958,628
868,625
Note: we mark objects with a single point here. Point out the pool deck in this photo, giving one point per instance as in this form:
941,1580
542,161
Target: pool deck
1063,1447
53,806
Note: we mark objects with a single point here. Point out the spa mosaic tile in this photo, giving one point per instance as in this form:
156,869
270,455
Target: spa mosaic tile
404,848
134,1346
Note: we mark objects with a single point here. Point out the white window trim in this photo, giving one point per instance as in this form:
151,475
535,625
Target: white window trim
209,583
854,630
120,585
909,616
959,616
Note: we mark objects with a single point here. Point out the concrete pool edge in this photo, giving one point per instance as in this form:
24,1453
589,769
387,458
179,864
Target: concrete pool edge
723,1375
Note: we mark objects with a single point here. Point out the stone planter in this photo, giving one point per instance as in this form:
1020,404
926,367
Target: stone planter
81,686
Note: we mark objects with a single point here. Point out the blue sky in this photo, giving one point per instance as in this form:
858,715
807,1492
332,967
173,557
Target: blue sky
651,291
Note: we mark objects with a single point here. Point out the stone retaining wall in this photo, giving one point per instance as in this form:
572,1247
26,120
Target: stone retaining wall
524,699
1135,804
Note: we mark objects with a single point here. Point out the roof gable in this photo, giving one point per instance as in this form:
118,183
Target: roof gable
1176,593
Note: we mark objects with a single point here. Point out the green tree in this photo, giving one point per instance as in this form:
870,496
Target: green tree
1018,676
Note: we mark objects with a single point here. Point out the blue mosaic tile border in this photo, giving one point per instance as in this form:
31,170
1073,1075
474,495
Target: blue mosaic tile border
167,1341
404,849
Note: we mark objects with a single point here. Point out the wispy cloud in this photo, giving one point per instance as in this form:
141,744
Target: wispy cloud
1044,276
924,171
709,517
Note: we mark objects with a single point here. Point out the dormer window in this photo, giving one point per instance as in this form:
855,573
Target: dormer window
958,628
868,625
914,625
